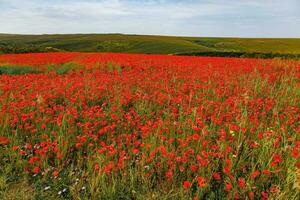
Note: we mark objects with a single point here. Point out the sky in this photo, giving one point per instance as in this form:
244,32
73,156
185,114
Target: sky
225,18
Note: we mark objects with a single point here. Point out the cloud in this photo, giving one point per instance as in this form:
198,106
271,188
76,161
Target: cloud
244,18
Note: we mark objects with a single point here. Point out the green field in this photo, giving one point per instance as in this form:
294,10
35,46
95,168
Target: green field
143,44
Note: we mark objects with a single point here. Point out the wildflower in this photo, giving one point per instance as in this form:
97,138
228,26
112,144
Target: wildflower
255,174
226,170
15,148
181,168
169,174
228,186
295,153
135,151
4,140
187,184
274,189
33,159
241,182
264,195
47,188
196,137
251,195
97,167
28,146
193,168
55,173
36,170
78,145
125,121
267,172
217,176
276,159
201,181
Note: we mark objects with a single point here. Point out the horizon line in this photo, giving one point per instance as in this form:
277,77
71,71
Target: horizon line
133,34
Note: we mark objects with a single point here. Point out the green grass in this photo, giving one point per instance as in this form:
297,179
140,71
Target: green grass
148,44
8,69
64,68
17,70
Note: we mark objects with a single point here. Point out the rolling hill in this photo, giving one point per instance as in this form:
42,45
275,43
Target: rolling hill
145,44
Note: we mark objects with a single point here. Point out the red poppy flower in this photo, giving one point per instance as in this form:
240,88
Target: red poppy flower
267,172
169,174
276,159
4,140
187,184
201,181
228,186
241,182
251,195
264,195
55,173
216,176
255,174
295,153
36,170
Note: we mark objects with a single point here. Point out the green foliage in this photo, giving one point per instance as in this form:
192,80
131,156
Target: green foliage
18,70
64,68
21,70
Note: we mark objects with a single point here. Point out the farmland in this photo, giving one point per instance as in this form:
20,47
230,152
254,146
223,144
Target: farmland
150,44
136,126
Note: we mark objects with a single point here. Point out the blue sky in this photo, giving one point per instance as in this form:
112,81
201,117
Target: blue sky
241,18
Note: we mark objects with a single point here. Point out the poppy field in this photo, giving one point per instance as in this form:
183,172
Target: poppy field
135,126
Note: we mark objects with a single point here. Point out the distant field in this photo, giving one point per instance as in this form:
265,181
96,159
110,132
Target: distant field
143,44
